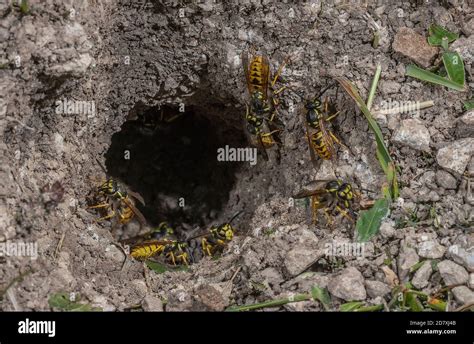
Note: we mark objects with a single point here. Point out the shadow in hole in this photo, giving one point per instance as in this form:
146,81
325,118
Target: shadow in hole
171,162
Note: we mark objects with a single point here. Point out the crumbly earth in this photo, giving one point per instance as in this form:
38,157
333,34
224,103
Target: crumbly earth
127,57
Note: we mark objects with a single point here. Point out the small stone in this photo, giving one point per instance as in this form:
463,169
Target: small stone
452,273
152,304
414,46
390,86
446,180
468,119
414,134
464,47
463,295
470,283
75,67
272,276
455,156
376,289
422,275
140,287
179,300
208,298
468,27
462,257
387,230
303,253
406,259
348,285
431,249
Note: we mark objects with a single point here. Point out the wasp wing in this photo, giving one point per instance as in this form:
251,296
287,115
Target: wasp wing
313,188
134,209
316,162
137,196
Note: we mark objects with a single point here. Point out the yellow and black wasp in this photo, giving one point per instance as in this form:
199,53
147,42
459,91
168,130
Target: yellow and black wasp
218,237
260,114
116,200
163,231
321,139
331,196
174,252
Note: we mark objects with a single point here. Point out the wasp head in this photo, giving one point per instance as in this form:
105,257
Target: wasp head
224,232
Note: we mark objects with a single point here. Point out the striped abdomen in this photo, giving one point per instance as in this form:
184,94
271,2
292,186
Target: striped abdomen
318,141
146,251
257,74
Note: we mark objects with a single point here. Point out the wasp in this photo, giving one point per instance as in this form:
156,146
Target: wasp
331,196
173,251
163,231
118,199
218,237
262,109
321,139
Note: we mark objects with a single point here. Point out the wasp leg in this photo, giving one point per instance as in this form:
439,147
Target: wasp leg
206,247
279,71
330,118
339,142
109,216
103,205
100,205
329,218
345,213
173,259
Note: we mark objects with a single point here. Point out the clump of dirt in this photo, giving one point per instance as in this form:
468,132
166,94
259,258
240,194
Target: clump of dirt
152,91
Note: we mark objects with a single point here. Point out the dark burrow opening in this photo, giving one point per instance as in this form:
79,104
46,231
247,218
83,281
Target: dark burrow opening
168,155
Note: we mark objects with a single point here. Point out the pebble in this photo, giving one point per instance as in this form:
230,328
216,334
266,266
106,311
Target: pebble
462,256
348,285
406,259
422,275
455,156
446,180
452,273
414,134
152,304
376,288
463,295
431,249
414,46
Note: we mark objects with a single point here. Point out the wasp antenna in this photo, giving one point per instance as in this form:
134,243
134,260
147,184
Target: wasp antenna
101,166
324,90
235,216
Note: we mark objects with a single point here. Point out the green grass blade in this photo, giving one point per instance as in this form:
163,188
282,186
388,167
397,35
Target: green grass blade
413,302
437,33
369,221
373,87
468,104
321,295
63,302
374,308
351,306
454,66
382,152
160,268
271,303
24,8
424,75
